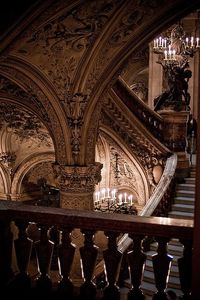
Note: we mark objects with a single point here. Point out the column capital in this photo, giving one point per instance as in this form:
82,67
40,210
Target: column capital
78,178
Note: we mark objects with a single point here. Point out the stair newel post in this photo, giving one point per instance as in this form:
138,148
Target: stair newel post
112,259
23,248
161,266
44,251
88,255
185,269
136,260
6,243
66,251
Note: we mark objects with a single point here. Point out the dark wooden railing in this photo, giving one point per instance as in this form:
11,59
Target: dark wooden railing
64,222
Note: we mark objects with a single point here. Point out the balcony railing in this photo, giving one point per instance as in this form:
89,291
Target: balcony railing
55,244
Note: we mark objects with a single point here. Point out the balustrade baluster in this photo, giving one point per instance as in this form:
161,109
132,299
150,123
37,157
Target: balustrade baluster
112,259
44,251
136,259
23,246
66,251
161,266
185,269
88,255
54,236
6,243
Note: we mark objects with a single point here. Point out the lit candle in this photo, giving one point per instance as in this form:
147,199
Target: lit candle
108,192
165,52
160,41
192,41
186,42
197,39
125,195
120,199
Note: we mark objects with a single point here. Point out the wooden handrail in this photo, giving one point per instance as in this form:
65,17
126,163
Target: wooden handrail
156,226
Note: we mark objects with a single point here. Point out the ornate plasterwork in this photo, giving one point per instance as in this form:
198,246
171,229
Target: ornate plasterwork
26,97
77,179
24,124
75,111
127,175
142,149
62,39
40,104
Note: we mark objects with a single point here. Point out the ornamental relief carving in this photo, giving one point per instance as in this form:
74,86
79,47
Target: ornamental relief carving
60,42
75,110
42,105
148,156
77,179
27,97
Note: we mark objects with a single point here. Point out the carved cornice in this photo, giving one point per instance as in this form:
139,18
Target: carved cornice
77,179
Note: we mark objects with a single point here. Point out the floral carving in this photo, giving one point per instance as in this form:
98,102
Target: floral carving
78,178
75,109
25,125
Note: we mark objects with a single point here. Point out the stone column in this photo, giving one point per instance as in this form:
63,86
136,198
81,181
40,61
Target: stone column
77,185
175,133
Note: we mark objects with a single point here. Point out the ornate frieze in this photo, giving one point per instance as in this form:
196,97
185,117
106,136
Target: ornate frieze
77,179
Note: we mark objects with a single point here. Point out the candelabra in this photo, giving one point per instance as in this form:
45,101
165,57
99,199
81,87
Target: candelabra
177,46
108,200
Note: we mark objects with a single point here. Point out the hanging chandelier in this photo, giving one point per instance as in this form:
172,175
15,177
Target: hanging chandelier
176,46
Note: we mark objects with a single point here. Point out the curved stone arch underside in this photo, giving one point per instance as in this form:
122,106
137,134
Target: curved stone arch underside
25,167
41,96
5,181
143,190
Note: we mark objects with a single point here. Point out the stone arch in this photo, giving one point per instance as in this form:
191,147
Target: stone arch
6,183
25,167
34,85
142,179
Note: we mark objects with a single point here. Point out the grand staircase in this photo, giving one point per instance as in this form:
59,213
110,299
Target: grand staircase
183,208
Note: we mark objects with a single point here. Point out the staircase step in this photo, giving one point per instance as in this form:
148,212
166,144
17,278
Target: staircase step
185,193
181,215
183,207
186,186
190,180
184,200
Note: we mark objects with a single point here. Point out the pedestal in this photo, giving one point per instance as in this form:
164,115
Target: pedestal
174,136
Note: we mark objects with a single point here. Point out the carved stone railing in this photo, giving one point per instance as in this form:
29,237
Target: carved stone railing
89,223
149,118
161,200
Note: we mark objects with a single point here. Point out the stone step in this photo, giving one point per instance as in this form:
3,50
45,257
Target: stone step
185,193
184,200
190,180
185,186
181,215
183,207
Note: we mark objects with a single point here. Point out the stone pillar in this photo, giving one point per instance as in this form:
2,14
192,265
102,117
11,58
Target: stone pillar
77,185
175,133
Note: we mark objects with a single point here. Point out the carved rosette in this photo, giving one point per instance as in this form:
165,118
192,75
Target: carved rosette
77,184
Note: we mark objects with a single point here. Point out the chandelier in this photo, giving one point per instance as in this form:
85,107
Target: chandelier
176,46
110,199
